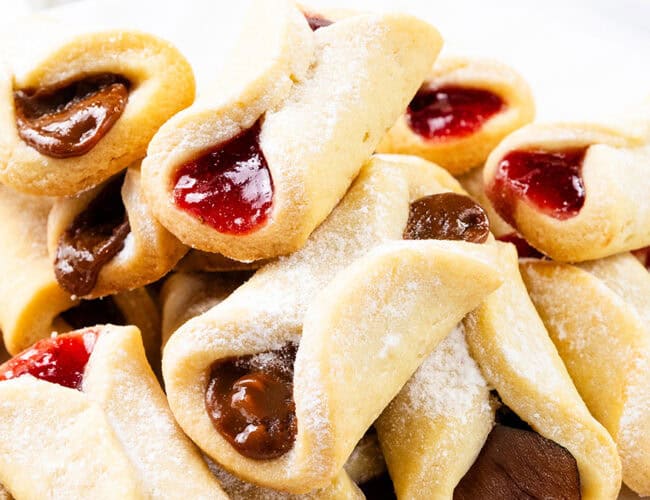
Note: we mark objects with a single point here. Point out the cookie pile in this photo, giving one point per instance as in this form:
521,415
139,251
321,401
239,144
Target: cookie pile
357,270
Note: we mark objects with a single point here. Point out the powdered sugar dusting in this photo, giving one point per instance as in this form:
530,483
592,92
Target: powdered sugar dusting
449,381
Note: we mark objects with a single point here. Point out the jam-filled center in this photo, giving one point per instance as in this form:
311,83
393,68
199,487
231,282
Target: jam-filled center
551,181
316,21
70,119
95,236
60,360
524,249
643,254
250,402
228,187
451,111
447,216
516,462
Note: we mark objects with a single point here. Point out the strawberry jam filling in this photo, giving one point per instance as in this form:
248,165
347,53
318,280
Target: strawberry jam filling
228,187
250,402
451,111
60,360
551,181
316,21
70,119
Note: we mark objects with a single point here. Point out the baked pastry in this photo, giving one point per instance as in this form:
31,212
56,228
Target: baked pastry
106,240
575,191
76,108
32,304
508,340
82,415
366,462
598,314
186,295
461,112
432,432
400,298
251,169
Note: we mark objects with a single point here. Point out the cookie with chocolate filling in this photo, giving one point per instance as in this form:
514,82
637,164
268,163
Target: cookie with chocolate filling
76,107
261,382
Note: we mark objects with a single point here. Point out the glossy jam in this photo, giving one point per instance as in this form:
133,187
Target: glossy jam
447,216
451,111
524,250
551,181
95,236
60,360
70,119
228,187
316,21
250,402
94,312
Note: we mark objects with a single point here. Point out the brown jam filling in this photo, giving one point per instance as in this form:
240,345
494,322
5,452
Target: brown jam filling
94,312
95,236
316,21
447,216
70,119
250,402
516,462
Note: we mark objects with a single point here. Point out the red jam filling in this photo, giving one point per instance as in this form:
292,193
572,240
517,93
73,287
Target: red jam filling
550,181
60,360
451,112
228,187
316,21
524,250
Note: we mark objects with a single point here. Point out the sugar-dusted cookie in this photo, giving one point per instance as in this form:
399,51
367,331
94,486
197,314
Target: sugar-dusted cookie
77,107
598,315
575,191
106,240
358,309
254,166
461,112
508,340
32,304
432,432
83,415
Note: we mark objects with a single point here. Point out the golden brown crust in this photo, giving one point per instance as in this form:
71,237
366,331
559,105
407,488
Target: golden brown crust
458,155
162,84
318,94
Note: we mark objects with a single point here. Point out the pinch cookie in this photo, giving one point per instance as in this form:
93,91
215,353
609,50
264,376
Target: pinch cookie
347,278
89,403
461,112
575,191
509,342
114,87
433,430
597,315
32,304
106,240
303,123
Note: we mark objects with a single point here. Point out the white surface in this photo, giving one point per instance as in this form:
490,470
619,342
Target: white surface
585,59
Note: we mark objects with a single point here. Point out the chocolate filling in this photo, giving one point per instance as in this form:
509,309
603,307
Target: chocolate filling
96,235
250,402
516,462
94,312
447,216
69,119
